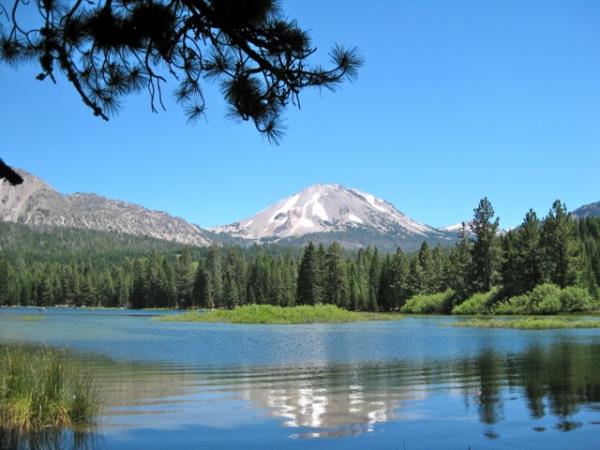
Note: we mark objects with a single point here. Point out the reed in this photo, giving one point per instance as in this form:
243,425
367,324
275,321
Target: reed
40,389
530,323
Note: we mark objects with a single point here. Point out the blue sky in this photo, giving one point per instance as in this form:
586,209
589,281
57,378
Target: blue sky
456,101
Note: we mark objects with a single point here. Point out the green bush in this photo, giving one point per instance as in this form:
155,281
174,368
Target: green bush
439,303
514,305
476,304
548,299
574,299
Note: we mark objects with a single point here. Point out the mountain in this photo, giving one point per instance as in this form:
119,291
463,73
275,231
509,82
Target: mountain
36,203
330,212
456,227
589,210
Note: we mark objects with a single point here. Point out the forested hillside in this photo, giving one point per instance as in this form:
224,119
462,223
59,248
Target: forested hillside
84,268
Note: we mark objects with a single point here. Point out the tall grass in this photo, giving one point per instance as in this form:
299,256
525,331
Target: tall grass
266,314
530,323
39,389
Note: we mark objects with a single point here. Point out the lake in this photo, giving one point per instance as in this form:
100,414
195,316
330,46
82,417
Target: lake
417,383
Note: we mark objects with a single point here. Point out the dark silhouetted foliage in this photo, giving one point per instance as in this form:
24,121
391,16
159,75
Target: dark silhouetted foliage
108,49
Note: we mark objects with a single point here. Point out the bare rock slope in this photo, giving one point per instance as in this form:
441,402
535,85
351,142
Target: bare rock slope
36,203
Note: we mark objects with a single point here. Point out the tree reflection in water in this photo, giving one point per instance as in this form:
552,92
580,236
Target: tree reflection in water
347,400
344,400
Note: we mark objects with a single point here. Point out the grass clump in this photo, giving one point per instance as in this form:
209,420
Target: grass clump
39,389
530,323
440,303
268,314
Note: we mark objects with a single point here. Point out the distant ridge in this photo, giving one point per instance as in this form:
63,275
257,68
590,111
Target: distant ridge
36,203
589,210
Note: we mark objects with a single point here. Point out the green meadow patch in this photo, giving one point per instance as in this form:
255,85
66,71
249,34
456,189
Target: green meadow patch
268,314
530,323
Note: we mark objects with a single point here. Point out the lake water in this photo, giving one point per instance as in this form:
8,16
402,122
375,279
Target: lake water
411,384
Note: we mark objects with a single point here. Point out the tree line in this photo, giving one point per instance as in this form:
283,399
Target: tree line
556,249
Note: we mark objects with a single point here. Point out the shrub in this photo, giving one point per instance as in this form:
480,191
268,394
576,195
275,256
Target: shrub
575,299
439,303
514,305
548,299
476,304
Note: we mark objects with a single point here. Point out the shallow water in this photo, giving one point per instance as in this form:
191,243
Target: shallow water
415,383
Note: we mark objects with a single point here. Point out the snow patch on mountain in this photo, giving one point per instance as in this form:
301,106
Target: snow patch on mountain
326,208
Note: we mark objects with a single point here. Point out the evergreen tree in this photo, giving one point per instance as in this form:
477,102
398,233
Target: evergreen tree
559,247
201,297
230,289
336,286
374,274
528,265
214,269
511,280
184,278
309,272
4,283
460,264
483,253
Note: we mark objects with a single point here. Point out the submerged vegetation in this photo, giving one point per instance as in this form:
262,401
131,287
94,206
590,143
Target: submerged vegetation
40,389
30,318
530,323
265,314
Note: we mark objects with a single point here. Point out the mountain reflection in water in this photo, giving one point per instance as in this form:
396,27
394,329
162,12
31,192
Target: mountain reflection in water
554,382
347,400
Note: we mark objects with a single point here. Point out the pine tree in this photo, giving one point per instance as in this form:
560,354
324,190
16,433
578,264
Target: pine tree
214,269
528,267
309,288
335,286
460,264
201,297
230,289
4,283
559,246
184,278
374,274
483,252
400,279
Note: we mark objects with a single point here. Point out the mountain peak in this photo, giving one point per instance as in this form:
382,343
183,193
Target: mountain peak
326,208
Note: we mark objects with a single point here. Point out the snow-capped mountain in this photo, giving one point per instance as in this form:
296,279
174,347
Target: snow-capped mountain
327,212
454,228
36,203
